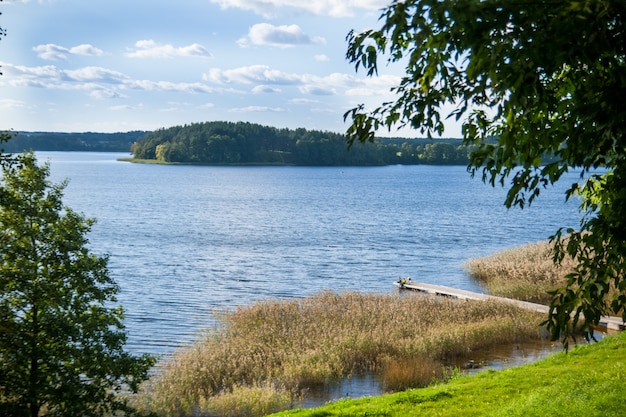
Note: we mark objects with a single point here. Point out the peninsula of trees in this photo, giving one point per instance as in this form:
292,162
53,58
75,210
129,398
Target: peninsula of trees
244,143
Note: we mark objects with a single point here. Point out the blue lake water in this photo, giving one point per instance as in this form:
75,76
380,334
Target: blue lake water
186,241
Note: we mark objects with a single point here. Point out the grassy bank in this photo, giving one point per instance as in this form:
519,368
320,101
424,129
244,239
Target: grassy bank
160,162
263,357
588,381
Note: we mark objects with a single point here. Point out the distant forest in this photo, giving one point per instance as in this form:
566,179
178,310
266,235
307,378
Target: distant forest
247,143
90,141
244,143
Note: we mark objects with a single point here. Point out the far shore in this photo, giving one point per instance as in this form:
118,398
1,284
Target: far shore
155,162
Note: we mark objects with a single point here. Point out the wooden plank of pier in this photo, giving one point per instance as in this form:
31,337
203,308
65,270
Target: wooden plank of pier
611,323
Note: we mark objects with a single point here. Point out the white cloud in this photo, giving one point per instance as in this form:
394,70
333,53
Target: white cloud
265,34
257,109
51,52
51,77
86,50
303,101
148,85
170,110
252,74
175,106
334,8
265,77
46,71
338,79
259,89
152,49
13,104
96,74
318,90
374,87
101,82
54,52
104,83
179,103
322,58
126,107
328,85
326,110
105,93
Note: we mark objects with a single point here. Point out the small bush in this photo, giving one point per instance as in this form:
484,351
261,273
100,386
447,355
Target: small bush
248,401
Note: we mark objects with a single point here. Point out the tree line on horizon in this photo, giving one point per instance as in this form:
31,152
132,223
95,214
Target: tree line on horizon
249,143
69,141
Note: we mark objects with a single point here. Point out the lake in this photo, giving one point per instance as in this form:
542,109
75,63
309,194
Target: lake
187,241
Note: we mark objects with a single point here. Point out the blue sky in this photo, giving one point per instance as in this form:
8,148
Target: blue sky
120,65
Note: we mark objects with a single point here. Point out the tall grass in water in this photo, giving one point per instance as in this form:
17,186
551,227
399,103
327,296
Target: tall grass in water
276,349
525,273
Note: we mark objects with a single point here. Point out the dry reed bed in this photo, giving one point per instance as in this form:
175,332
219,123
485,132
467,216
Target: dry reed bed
525,273
272,350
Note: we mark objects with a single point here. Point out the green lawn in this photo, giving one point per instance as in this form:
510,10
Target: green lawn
588,381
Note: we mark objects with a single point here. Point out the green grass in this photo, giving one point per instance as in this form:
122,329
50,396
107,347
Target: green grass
588,381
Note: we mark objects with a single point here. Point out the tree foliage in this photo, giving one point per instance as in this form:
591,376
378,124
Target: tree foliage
61,338
546,79
86,141
248,143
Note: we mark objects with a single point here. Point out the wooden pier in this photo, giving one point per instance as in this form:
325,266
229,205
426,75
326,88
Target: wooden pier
608,322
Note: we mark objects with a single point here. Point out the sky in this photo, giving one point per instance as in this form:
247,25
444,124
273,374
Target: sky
122,65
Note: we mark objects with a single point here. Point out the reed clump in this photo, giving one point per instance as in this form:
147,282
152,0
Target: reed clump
525,273
247,400
278,349
415,372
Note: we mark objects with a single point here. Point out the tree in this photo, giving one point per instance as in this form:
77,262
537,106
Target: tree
61,338
531,82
